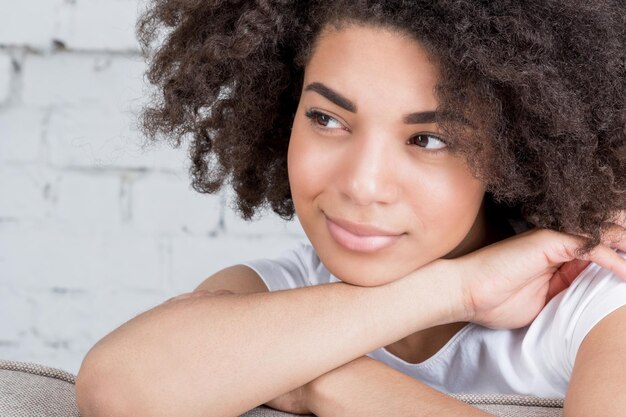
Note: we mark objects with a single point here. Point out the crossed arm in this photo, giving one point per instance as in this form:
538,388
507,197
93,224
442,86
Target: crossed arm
366,387
369,388
184,358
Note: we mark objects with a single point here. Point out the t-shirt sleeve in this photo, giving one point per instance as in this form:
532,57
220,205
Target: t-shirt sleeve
594,294
295,268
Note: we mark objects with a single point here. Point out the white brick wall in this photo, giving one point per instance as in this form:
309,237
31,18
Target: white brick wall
5,78
93,229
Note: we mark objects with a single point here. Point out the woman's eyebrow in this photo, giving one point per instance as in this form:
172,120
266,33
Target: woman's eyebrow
332,96
336,98
422,117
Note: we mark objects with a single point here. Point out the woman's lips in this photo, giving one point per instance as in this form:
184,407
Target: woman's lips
360,238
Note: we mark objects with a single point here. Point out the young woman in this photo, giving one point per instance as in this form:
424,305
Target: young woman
445,159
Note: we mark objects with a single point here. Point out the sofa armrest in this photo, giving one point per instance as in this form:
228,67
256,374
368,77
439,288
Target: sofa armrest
31,390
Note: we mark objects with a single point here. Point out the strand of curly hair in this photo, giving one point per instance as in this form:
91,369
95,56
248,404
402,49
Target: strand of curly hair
542,83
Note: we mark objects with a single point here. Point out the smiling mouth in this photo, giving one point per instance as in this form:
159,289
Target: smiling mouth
360,238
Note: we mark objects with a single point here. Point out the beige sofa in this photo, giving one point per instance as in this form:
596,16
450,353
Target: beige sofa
30,390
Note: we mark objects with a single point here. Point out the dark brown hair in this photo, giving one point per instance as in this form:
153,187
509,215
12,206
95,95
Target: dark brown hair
542,83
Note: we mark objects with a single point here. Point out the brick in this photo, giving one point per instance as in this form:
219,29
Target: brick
166,204
28,22
20,314
87,201
102,136
195,258
47,257
50,256
66,78
56,313
6,70
21,133
98,25
26,192
131,262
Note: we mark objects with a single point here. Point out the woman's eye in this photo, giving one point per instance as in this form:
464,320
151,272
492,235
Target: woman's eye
427,141
323,121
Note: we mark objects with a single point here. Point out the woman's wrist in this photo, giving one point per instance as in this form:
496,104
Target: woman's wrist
366,387
435,293
452,273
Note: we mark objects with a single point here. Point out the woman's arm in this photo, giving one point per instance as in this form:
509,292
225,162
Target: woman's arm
599,377
366,387
299,400
223,355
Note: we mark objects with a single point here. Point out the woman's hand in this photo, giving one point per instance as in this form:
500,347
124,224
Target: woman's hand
198,294
505,285
567,273
367,387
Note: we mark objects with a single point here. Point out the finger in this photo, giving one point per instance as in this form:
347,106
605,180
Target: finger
199,293
179,297
221,292
614,235
620,218
609,260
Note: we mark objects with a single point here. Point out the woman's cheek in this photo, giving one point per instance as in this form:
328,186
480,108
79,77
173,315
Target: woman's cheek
449,200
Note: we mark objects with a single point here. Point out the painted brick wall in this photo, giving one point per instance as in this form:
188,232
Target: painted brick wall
94,229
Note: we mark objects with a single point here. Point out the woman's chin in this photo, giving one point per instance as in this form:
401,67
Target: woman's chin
365,275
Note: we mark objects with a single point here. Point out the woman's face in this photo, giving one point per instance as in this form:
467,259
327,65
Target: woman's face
376,190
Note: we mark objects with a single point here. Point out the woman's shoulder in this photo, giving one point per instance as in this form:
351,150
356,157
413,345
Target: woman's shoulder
593,295
571,315
296,267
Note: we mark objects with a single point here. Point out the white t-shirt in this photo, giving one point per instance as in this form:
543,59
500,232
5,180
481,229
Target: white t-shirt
534,360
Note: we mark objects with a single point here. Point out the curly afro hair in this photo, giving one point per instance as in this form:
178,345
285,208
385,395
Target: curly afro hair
542,83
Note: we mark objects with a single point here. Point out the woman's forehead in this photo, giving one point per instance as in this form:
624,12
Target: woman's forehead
371,65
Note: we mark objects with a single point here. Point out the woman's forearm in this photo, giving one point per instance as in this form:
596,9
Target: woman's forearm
224,355
366,387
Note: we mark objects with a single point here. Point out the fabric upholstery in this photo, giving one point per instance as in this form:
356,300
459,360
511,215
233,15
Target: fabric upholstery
31,390
499,405
514,405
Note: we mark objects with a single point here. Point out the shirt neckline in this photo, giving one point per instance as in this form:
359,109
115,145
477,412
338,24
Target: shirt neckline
454,340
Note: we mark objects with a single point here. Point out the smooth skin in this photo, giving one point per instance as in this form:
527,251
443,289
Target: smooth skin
216,353
370,167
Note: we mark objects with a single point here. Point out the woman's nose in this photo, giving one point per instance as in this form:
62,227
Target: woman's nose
368,176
